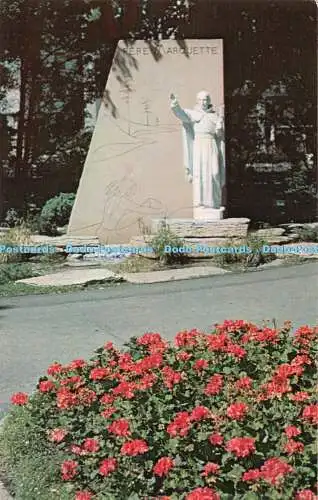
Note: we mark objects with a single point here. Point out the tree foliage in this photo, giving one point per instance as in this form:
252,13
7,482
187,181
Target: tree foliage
58,54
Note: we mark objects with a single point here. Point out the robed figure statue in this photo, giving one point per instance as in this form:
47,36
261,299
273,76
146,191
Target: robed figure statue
203,144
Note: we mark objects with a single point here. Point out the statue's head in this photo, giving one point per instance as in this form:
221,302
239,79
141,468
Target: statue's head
204,100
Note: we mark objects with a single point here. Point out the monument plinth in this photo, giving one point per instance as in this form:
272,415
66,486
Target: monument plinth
189,228
134,170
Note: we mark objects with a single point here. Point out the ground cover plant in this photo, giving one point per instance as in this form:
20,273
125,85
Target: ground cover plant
230,414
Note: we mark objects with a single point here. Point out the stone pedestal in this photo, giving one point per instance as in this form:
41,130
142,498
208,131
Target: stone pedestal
208,214
190,228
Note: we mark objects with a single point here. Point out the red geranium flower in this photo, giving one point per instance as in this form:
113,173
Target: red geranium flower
120,427
306,495
91,445
202,494
292,447
135,447
237,411
187,338
54,368
125,389
19,398
163,466
200,413
210,468
183,356
107,399
200,364
86,396
66,398
310,413
180,425
107,466
77,364
99,373
241,447
46,386
108,412
299,396
292,431
69,469
216,439
57,435
170,377
214,385
83,495
244,383
274,470
251,475
147,381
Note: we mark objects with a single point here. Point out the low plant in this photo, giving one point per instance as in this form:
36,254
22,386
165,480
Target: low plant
11,272
251,258
166,245
15,236
309,234
56,213
227,415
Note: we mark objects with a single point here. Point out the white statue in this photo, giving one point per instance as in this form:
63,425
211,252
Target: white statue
203,141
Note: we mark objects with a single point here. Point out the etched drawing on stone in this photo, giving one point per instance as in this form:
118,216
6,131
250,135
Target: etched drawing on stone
133,173
203,151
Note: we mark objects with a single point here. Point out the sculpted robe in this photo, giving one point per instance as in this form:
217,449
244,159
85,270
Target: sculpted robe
203,144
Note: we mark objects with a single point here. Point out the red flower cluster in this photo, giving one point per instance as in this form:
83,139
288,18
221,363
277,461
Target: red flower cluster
19,398
69,469
83,495
46,386
119,427
272,471
214,385
216,439
187,338
200,413
135,447
200,364
241,447
107,466
57,435
163,466
237,411
180,426
210,468
202,494
99,373
310,414
170,377
244,383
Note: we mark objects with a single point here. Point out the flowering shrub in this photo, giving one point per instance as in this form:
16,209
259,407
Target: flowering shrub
226,415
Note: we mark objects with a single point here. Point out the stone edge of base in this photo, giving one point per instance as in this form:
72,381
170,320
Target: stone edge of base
4,494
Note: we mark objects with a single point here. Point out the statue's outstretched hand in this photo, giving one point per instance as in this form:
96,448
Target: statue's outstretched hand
173,99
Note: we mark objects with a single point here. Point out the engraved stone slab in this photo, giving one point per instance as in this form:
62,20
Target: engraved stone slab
134,170
226,228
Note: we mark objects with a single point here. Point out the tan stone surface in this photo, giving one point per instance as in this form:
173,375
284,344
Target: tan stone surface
226,228
4,495
173,274
134,168
69,277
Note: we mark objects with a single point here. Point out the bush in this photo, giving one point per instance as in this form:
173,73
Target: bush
227,415
308,234
56,212
252,259
14,271
166,237
18,235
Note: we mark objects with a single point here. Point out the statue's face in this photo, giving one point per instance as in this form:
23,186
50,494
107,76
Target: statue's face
204,101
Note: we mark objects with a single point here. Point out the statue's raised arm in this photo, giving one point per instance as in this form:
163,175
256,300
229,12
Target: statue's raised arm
178,111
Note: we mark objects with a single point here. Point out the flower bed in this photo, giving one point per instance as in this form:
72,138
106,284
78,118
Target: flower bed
226,415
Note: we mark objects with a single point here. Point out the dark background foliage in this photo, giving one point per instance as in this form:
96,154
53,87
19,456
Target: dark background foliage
57,55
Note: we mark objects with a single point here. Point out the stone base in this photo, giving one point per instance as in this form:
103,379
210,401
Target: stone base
190,228
208,214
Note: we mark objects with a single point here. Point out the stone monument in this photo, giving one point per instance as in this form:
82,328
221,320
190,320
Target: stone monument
133,174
